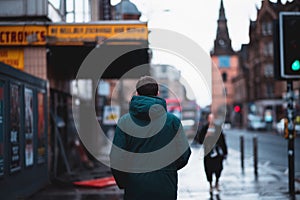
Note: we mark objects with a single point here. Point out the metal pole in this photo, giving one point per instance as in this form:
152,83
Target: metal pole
291,152
242,151
255,155
55,149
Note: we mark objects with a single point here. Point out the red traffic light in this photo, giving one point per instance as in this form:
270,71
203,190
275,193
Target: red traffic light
237,108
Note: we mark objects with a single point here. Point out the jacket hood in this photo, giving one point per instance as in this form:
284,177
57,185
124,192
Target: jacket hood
142,107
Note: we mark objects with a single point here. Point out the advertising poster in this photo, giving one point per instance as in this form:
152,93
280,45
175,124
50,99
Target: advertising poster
28,95
1,128
41,156
14,132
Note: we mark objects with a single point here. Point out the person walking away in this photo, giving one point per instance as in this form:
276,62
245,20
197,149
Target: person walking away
215,150
149,147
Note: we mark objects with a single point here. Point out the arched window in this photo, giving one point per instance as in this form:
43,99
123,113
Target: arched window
224,77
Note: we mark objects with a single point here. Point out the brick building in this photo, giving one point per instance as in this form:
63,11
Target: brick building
262,94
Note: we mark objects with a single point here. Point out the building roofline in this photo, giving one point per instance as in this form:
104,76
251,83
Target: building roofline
108,22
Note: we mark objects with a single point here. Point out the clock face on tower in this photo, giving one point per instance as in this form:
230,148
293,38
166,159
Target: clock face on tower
222,43
224,61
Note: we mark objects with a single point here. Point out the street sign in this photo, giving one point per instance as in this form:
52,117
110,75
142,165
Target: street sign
74,34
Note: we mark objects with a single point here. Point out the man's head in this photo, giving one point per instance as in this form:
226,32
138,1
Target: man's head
147,86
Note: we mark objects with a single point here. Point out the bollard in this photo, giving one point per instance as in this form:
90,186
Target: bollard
255,155
242,151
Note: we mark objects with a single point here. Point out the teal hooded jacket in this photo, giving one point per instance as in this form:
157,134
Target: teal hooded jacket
149,147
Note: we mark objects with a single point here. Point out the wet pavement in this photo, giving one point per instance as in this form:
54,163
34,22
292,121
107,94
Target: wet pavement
235,183
63,187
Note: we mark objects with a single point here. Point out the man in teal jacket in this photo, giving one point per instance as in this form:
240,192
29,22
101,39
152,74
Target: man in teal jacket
149,147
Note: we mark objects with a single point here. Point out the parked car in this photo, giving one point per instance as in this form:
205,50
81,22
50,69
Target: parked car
256,122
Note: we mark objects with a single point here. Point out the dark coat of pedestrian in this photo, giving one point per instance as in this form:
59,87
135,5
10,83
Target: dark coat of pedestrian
215,150
149,177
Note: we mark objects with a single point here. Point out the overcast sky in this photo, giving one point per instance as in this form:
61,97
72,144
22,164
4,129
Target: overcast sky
197,19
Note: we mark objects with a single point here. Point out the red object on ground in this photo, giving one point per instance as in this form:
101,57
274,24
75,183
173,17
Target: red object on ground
99,183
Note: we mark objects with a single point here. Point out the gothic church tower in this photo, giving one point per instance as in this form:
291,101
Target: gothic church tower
224,69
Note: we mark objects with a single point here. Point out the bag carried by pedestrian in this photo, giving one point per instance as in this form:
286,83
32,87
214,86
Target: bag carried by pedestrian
216,151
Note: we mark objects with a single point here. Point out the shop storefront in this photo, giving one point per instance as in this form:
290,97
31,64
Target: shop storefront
23,133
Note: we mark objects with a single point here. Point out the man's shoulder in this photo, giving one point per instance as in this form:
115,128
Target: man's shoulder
171,116
124,118
126,115
173,120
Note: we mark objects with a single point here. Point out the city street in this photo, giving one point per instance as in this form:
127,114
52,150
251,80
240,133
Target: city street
272,148
73,72
192,184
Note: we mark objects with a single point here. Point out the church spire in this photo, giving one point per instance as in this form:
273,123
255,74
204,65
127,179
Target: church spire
222,12
222,43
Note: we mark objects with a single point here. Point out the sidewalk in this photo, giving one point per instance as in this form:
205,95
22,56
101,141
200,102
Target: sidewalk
269,185
63,187
234,184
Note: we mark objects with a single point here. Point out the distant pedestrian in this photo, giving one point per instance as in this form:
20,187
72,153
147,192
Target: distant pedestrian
215,150
139,181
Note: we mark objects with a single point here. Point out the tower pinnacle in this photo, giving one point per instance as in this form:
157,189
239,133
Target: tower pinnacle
222,43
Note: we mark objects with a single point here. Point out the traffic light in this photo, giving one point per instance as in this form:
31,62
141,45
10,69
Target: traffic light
237,108
285,129
289,45
286,134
